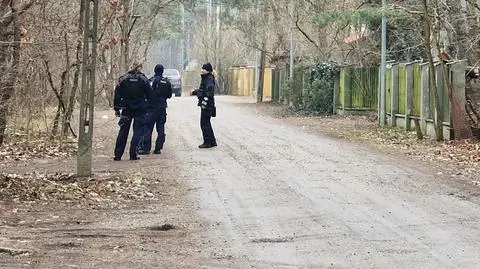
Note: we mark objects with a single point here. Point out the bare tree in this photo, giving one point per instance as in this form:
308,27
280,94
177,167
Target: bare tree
11,12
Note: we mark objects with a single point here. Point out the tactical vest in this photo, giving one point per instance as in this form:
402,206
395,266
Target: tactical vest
162,87
133,86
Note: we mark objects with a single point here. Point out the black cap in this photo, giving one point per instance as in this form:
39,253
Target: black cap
158,69
208,67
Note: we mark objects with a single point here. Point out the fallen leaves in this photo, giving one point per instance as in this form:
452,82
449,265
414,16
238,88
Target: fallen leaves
99,189
464,153
454,157
21,148
459,157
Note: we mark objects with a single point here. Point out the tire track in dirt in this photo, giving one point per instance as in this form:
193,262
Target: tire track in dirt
270,196
346,189
285,198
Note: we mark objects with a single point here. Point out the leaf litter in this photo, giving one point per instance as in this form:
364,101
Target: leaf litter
454,158
21,148
100,189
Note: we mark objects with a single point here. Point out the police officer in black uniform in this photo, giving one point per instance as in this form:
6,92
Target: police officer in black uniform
157,112
132,94
206,101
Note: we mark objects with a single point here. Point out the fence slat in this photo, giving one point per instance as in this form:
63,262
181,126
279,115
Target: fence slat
409,96
425,96
417,91
395,93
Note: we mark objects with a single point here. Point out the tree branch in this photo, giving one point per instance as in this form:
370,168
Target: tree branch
474,3
110,18
253,46
52,85
4,4
413,12
305,34
16,10
362,4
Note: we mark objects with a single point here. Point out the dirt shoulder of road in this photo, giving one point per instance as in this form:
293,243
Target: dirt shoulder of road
129,214
458,159
139,214
112,220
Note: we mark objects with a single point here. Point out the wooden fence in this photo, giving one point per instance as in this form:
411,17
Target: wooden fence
279,76
408,95
358,89
242,82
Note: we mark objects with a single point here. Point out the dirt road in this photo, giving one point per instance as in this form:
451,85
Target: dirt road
271,195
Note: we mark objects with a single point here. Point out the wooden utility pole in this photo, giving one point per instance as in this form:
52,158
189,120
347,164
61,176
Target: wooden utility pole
383,69
183,46
261,70
292,38
87,102
261,74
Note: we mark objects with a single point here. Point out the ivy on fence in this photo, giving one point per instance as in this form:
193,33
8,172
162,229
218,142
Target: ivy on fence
312,88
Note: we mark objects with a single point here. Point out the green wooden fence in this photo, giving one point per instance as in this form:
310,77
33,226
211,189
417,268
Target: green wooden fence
279,76
408,95
358,88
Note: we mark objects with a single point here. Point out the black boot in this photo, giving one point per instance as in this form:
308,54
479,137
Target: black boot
205,146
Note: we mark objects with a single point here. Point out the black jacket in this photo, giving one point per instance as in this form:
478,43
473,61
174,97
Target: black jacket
132,93
206,92
162,90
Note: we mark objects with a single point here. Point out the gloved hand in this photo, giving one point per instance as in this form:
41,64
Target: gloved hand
117,113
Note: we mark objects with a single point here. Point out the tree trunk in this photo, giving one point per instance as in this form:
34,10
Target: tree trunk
458,121
125,44
438,114
3,122
67,117
3,68
56,120
461,34
59,93
111,77
261,75
76,78
9,84
418,129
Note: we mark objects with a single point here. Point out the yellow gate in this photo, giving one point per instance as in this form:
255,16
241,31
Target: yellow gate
242,82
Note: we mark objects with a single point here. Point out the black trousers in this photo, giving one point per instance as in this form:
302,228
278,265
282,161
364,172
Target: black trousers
157,119
206,125
138,127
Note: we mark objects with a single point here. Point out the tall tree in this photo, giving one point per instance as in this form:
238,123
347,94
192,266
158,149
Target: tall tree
438,115
10,22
